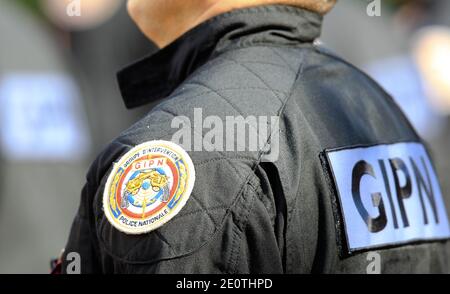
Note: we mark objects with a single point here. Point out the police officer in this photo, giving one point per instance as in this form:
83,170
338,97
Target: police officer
326,176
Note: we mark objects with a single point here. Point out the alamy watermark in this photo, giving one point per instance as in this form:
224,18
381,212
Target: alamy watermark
374,8
73,260
374,266
232,134
74,8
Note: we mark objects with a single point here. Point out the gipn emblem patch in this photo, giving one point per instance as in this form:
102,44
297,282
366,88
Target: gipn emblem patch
148,187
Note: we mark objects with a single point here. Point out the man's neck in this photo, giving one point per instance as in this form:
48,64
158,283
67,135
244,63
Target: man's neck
223,6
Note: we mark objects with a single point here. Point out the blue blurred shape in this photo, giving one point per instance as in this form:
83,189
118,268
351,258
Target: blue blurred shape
400,77
41,118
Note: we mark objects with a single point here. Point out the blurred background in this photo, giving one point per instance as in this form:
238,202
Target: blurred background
60,105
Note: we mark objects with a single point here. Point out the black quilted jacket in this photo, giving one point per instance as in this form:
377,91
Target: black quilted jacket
249,213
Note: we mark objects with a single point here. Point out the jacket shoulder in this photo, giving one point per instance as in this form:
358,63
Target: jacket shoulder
243,84
220,181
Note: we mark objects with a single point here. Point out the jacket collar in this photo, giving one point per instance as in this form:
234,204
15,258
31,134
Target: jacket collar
156,76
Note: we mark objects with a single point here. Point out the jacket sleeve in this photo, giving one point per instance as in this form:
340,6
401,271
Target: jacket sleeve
242,237
232,223
81,254
246,242
83,242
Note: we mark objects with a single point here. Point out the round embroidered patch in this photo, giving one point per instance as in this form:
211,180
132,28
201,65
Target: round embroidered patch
148,187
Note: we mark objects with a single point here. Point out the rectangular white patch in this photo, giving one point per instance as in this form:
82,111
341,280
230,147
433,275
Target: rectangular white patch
389,195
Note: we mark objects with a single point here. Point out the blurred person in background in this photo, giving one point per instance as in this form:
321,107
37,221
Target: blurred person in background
406,74
60,105
44,142
419,76
364,39
406,50
352,176
102,40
